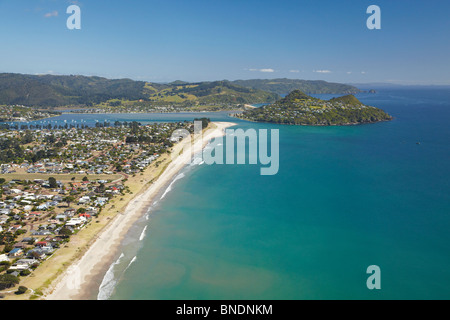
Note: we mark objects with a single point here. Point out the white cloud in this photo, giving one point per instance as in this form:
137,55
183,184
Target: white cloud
267,70
262,70
294,71
363,72
349,72
322,71
51,14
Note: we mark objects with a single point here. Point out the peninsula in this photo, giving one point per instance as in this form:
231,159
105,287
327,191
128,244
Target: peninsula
298,108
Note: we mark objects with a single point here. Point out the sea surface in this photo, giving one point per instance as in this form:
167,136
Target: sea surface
345,198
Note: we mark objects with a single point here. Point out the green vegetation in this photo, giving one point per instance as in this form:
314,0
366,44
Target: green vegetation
212,93
21,290
55,91
7,281
48,91
284,86
205,122
298,108
126,95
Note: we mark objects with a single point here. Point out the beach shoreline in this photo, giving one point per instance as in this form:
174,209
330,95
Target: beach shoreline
83,277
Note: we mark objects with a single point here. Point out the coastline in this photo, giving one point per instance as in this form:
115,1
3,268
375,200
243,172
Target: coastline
77,282
157,112
316,125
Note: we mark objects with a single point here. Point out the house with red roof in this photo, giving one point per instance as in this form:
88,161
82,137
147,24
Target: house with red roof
41,244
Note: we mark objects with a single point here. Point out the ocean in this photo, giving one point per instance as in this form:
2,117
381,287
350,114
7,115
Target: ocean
345,198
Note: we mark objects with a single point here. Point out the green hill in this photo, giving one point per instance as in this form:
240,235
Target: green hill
50,91
297,108
284,86
212,93
348,99
56,91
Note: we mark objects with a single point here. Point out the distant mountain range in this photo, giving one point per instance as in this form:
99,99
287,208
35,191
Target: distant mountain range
51,91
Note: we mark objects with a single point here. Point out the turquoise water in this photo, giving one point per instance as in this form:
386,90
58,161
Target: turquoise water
345,198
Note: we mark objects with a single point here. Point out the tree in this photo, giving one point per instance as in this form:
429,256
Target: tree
8,247
65,231
25,273
21,290
4,265
7,281
52,183
69,200
205,122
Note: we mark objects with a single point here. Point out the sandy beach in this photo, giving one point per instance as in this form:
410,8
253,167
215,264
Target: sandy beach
83,276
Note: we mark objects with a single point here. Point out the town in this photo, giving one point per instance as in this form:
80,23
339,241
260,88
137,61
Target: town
55,182
19,113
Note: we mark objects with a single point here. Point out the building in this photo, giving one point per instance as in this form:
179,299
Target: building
17,252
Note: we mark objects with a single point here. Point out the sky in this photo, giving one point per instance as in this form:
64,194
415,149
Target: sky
200,40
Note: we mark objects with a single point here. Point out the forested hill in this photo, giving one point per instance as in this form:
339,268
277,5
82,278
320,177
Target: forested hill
298,108
50,91
284,86
208,93
56,91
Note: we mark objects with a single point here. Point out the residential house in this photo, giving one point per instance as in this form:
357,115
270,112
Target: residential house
84,200
43,206
70,212
3,219
47,249
35,214
100,201
36,253
5,211
20,245
41,244
29,240
41,233
61,217
23,264
76,222
17,252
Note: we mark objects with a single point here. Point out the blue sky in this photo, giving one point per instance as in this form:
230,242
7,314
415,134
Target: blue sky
199,40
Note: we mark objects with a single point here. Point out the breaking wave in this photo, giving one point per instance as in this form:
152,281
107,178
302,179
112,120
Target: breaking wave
109,282
142,236
169,188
